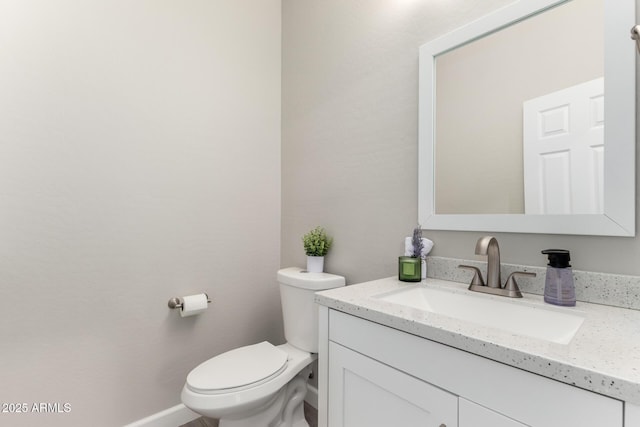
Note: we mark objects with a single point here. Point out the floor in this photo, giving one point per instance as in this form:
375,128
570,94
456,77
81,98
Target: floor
310,413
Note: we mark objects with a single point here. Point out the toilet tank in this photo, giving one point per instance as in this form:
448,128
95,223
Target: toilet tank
299,311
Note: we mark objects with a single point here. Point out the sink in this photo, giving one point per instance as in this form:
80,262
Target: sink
517,317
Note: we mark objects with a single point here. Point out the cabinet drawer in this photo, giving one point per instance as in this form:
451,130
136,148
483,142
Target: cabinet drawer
529,398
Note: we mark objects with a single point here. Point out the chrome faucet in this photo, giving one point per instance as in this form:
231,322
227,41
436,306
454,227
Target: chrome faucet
488,245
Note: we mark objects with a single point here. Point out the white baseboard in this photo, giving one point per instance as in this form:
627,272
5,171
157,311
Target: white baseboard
312,396
172,417
180,414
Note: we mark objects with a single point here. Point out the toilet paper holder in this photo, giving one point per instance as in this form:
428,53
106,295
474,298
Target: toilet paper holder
177,302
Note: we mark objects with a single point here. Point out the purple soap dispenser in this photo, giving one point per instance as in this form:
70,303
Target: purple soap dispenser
558,286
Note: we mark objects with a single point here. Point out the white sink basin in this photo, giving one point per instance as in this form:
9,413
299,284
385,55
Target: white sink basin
513,316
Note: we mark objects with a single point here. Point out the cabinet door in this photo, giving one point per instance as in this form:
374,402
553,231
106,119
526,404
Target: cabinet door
473,415
367,393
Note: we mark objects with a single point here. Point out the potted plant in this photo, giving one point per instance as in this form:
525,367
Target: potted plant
316,245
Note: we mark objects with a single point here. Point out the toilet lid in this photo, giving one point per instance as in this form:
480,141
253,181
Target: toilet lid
237,368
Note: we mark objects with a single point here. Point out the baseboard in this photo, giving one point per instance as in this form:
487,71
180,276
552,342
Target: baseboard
180,414
172,417
312,396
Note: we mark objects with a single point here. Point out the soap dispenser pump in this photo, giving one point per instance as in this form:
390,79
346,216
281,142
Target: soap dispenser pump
559,288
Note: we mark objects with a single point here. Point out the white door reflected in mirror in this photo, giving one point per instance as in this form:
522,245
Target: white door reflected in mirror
563,146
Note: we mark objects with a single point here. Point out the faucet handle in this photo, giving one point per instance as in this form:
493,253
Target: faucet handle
511,286
477,275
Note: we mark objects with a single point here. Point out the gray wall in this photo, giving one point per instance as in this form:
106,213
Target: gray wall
139,160
349,143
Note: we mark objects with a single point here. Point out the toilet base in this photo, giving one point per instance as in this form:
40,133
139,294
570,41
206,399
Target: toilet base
286,409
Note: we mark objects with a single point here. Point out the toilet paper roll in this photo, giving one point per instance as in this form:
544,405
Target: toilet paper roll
193,304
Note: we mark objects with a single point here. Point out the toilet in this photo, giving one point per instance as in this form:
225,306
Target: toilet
262,384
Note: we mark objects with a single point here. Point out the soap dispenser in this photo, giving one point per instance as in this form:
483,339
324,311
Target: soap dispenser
558,287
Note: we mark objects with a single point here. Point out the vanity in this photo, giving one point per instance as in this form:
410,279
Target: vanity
394,353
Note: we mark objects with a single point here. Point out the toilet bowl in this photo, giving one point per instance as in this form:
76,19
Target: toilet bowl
262,384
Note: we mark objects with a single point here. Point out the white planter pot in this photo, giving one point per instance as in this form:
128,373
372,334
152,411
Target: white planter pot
315,264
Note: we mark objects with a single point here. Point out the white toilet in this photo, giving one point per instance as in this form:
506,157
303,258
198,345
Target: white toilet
263,385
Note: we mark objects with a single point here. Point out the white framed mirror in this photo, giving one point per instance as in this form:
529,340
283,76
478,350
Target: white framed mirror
490,88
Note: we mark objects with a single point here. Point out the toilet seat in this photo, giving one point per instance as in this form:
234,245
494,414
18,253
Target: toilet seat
238,369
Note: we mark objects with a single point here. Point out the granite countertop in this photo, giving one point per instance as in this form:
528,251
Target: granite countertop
603,356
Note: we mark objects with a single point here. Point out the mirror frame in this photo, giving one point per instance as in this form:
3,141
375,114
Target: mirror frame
618,218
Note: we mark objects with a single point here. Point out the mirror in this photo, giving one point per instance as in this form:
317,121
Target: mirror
496,90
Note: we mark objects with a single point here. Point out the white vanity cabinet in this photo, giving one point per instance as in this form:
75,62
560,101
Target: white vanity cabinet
373,375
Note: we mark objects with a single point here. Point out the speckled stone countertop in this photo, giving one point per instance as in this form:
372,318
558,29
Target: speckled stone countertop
603,356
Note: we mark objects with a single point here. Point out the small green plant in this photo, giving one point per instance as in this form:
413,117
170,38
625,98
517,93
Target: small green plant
316,242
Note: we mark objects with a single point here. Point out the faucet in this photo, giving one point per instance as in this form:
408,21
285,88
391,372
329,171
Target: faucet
488,245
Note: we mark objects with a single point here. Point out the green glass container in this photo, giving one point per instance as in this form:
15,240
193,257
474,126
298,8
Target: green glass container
409,269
